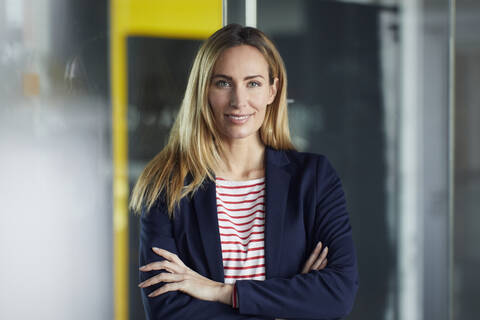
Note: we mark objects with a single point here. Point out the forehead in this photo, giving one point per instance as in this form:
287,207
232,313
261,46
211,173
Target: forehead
241,60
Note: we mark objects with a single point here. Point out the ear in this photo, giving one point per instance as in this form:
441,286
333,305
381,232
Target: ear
273,91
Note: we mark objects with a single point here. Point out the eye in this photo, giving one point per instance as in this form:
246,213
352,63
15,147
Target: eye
253,84
222,84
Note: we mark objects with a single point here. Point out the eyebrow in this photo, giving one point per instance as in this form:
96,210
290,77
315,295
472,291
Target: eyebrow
230,78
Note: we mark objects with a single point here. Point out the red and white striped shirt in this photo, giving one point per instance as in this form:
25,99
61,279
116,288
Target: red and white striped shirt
241,219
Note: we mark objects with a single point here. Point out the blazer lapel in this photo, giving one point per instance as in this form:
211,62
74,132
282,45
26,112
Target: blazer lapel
277,181
205,205
277,185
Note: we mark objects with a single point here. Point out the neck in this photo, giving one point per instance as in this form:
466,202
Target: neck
243,159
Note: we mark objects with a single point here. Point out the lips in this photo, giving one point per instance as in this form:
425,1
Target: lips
239,116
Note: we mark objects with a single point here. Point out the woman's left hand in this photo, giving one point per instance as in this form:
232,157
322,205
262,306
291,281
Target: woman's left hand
179,277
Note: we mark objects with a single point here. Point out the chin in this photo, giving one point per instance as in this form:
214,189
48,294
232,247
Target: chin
239,135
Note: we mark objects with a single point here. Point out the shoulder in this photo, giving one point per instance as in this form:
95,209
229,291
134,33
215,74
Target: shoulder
305,157
308,170
300,160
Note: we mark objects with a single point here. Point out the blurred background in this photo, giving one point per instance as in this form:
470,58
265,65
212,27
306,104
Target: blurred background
387,89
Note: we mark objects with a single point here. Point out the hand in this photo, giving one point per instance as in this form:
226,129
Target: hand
179,277
317,260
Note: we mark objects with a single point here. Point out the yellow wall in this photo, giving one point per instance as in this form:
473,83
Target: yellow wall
192,19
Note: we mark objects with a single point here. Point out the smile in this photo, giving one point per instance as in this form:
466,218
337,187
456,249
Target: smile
239,117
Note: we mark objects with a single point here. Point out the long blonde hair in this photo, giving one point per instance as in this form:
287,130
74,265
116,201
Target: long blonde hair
194,147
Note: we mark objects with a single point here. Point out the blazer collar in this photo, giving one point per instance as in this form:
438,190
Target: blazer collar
277,181
276,157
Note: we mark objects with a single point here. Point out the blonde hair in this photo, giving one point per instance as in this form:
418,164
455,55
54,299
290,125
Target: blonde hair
194,147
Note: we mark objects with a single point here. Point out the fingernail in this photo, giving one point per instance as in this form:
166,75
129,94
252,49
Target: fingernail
140,284
155,249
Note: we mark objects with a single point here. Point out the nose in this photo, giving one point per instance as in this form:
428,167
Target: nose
238,97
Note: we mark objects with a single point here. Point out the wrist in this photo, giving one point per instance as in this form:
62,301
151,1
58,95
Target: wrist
225,293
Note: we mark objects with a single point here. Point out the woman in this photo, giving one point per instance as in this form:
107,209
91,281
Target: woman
232,218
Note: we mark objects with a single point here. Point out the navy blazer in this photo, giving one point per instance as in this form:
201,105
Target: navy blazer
304,204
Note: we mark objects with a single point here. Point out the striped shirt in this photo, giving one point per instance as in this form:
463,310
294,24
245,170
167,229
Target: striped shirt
241,219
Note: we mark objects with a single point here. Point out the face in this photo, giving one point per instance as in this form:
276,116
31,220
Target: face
240,91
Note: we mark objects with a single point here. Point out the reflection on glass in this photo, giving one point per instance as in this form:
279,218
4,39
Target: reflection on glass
334,58
157,75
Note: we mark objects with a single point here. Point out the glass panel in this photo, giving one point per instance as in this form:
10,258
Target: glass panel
339,106
467,160
368,87
55,163
158,69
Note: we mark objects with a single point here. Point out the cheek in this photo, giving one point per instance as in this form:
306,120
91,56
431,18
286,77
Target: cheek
261,112
259,100
217,102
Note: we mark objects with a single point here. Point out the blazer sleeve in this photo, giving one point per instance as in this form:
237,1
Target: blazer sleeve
156,231
324,294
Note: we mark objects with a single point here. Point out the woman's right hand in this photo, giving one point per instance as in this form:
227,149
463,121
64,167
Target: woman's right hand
317,260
